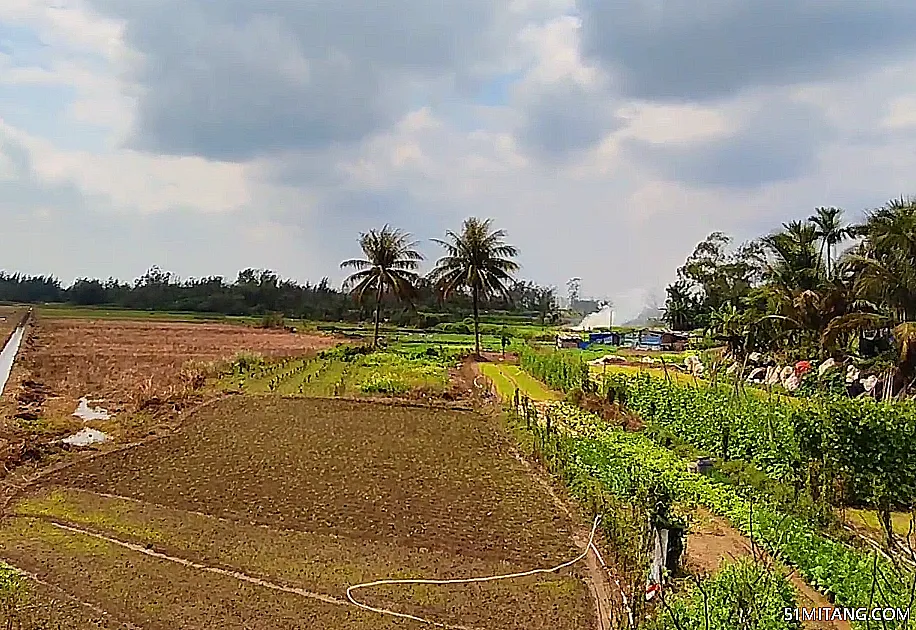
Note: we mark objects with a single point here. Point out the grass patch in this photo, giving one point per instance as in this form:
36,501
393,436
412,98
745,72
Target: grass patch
70,311
504,386
507,378
63,506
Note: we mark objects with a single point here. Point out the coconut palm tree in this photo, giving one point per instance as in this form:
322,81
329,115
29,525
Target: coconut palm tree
883,272
478,260
388,268
831,231
793,263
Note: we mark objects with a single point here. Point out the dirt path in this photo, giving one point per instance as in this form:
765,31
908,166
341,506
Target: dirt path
712,540
599,582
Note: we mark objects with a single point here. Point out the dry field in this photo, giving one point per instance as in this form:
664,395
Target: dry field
308,496
10,316
127,366
115,360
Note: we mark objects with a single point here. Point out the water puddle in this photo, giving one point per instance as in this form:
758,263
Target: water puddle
8,355
85,412
86,437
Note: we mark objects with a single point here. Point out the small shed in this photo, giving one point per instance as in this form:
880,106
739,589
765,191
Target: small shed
675,341
604,338
664,340
567,341
651,339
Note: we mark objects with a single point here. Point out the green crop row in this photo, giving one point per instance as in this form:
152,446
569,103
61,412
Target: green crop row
742,594
561,370
869,447
622,462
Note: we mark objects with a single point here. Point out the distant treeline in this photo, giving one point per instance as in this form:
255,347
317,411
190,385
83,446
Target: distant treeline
262,292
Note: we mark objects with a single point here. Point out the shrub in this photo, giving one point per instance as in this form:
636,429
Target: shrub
245,361
378,383
272,320
742,594
575,396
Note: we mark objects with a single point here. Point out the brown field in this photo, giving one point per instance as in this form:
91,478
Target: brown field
9,319
310,494
115,359
140,371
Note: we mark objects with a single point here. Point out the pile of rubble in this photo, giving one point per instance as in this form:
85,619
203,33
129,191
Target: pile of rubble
769,372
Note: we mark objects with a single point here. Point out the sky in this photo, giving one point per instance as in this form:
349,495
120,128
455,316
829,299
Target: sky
606,138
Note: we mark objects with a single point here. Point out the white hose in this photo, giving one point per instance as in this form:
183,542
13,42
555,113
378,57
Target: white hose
490,578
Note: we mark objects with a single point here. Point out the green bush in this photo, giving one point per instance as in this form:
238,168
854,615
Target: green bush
245,361
575,396
455,328
816,442
742,594
561,370
378,383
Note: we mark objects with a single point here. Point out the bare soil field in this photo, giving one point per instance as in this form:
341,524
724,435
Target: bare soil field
139,371
10,316
309,494
123,361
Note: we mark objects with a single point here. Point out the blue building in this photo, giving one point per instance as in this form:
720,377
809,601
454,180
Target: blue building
604,338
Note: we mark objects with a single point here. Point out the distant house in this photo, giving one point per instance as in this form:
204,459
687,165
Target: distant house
650,340
676,341
630,339
567,341
664,340
604,338
654,340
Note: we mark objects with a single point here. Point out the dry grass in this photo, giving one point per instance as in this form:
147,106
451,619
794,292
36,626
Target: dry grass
9,318
142,372
131,362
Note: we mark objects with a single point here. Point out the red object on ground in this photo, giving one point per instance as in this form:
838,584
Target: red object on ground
652,590
802,368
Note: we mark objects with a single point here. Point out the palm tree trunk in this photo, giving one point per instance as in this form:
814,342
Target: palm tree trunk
476,322
378,313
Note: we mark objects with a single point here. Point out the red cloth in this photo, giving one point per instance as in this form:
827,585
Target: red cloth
802,368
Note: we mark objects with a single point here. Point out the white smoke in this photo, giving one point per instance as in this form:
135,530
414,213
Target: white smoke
603,318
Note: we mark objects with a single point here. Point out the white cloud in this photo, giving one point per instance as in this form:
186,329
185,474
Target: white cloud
267,134
658,124
138,182
69,25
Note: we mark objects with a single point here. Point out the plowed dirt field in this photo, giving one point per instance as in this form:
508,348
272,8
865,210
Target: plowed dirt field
259,512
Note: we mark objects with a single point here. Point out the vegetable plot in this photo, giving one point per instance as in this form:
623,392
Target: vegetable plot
869,447
623,462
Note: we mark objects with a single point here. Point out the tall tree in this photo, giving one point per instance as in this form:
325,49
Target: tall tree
712,277
797,286
831,230
546,303
389,268
883,268
477,259
793,262
682,307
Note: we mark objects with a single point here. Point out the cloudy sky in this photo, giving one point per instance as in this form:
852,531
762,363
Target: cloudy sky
607,138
